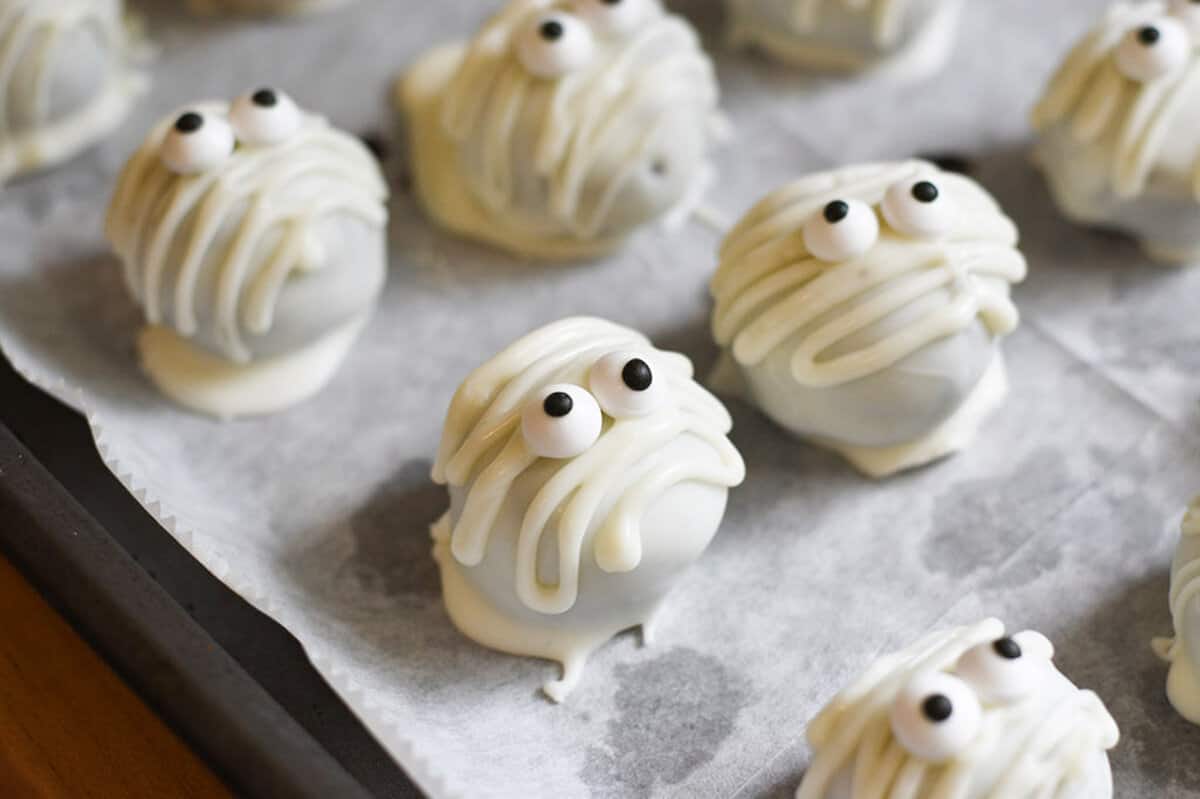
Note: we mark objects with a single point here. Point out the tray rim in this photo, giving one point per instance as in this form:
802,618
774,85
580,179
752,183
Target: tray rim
152,643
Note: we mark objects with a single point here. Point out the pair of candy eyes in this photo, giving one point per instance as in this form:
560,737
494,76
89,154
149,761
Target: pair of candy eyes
565,420
1163,46
846,229
560,42
938,715
198,142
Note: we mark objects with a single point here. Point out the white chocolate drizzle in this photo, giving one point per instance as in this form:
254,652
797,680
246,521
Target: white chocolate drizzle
32,35
769,287
586,115
853,732
1098,105
482,447
261,206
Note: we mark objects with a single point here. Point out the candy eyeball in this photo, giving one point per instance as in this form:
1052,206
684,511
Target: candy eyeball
561,421
1187,12
613,17
554,45
264,117
918,208
1003,671
197,142
1154,50
844,229
625,385
936,717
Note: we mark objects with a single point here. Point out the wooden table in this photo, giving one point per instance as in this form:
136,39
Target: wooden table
69,727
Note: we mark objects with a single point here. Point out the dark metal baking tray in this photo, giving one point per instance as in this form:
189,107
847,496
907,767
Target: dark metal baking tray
233,683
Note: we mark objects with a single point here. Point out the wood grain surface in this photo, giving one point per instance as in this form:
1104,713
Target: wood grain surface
69,727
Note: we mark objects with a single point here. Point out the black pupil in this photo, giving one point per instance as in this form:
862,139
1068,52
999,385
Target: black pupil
937,708
836,211
1149,35
265,98
636,375
558,404
925,192
1007,648
552,30
189,122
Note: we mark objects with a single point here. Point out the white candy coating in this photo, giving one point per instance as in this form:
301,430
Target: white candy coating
255,266
843,230
554,45
614,17
563,148
932,737
1183,650
264,117
908,210
67,79
1153,50
1119,130
550,557
188,150
616,397
874,740
886,354
908,38
565,436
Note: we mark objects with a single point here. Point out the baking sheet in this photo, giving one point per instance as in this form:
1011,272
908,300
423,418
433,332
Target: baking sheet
1063,517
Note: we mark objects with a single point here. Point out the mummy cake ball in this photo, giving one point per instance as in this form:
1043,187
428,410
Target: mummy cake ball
586,470
1120,127
564,126
862,309
1183,651
909,38
967,713
264,7
253,236
66,79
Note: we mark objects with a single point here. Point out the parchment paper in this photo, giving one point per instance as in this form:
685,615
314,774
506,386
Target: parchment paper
1063,517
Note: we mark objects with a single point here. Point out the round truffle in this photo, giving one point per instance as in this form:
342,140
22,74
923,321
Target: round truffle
878,341
253,289
573,524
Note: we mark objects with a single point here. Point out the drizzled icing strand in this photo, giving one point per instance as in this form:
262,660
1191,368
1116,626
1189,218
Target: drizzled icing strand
32,37
626,462
769,287
584,118
247,225
1099,105
853,732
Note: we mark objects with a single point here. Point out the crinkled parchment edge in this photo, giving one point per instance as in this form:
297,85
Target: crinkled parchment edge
410,754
